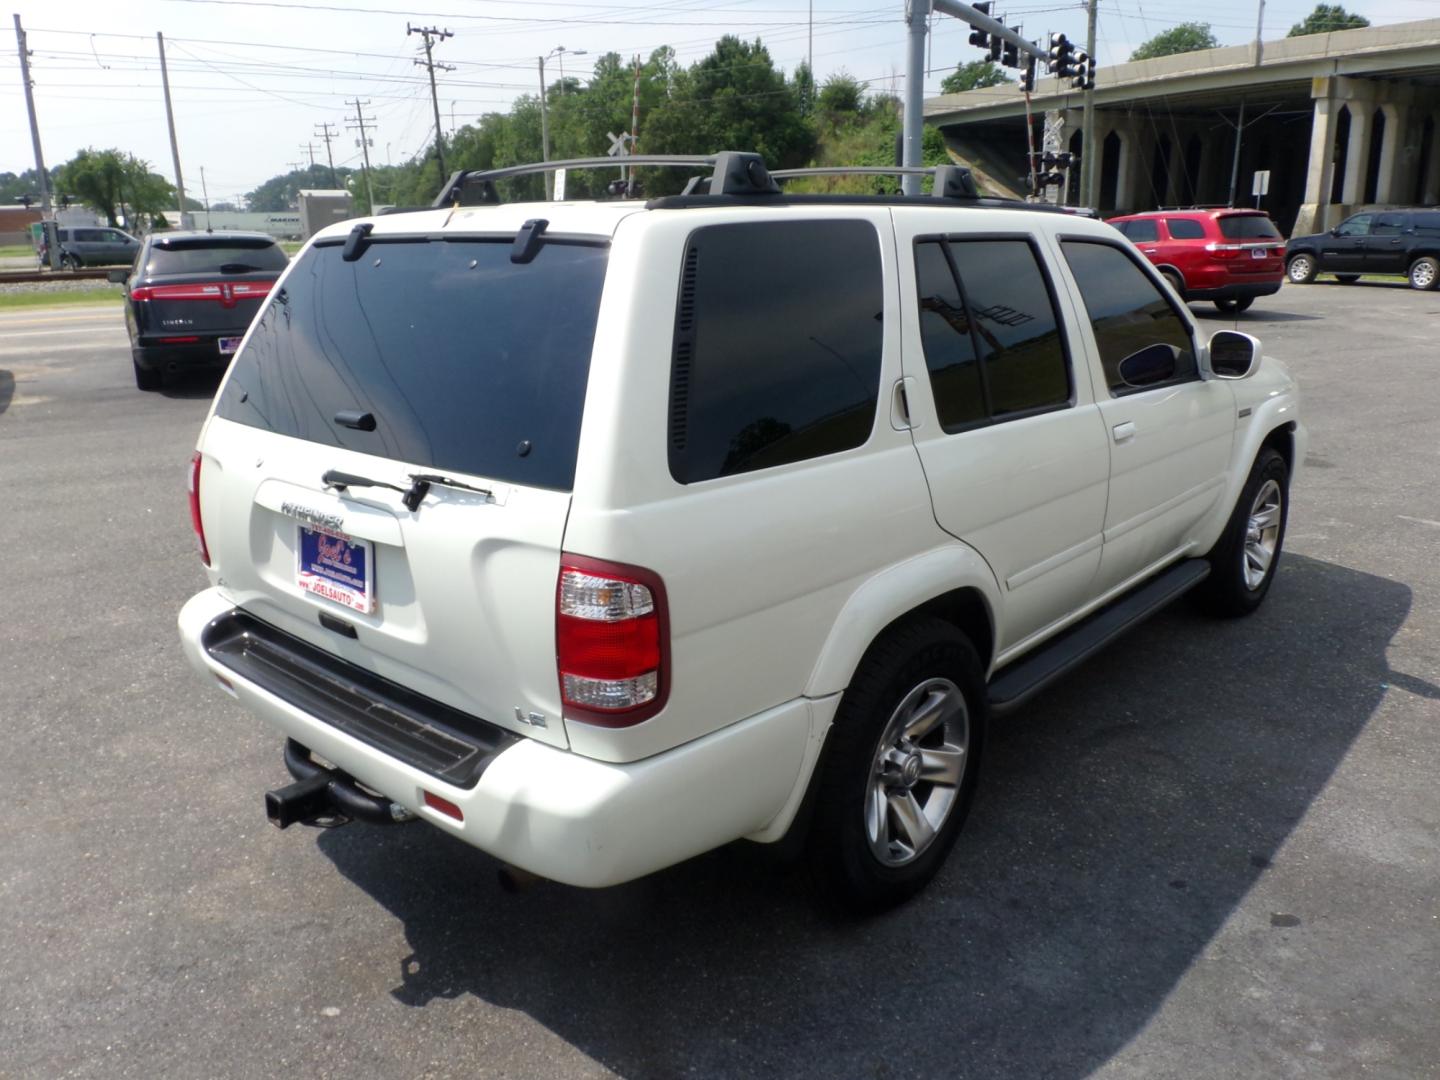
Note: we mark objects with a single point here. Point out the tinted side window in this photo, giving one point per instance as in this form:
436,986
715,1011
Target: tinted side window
949,346
1014,323
987,322
1126,309
1388,225
778,339
1185,229
1142,232
1427,224
1359,225
89,236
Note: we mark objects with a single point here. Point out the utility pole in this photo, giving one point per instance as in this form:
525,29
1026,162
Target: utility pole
326,134
545,132
52,237
205,194
174,145
1259,44
360,121
1089,167
310,148
431,35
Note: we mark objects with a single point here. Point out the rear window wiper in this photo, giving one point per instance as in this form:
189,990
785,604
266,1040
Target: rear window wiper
238,268
419,485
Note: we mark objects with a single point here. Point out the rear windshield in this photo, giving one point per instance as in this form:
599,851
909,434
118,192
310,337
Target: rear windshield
208,257
1248,227
466,361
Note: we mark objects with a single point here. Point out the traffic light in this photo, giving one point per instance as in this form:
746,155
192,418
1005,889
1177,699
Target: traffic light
1058,58
1027,77
980,38
1084,72
1010,56
996,47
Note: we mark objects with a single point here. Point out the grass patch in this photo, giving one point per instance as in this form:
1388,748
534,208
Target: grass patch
16,251
60,297
291,247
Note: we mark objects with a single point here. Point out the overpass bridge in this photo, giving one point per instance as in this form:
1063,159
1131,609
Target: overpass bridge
1342,121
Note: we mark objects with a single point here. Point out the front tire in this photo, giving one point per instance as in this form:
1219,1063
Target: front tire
1243,563
70,262
1176,282
1301,269
1235,304
900,768
1424,272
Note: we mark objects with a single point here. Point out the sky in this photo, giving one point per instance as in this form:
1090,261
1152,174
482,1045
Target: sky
253,80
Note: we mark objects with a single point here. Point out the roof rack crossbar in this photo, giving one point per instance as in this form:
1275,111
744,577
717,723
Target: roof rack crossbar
951,181
735,173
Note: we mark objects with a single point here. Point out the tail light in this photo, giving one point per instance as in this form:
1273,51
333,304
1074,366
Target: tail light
612,641
195,523
1224,251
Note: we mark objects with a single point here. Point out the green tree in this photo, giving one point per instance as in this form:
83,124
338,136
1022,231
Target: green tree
973,76
281,192
842,93
1325,18
1187,37
117,185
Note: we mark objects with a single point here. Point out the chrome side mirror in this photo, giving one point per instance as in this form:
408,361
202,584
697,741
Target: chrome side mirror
1233,355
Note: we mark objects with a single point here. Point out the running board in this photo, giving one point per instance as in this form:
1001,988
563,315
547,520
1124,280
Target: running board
1025,678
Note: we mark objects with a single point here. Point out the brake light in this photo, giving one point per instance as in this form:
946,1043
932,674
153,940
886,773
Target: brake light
195,523
227,293
178,340
612,641
1224,251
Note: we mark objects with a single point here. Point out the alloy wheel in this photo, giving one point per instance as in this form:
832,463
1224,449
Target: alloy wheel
1262,534
917,771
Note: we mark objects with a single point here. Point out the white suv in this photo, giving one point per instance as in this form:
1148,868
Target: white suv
602,534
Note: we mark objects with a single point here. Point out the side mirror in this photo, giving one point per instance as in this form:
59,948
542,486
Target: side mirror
117,277
1234,355
1151,365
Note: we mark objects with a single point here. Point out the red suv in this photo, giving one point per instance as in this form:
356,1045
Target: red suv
1228,256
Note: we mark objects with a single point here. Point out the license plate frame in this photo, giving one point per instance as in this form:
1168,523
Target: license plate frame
229,345
1259,253
327,566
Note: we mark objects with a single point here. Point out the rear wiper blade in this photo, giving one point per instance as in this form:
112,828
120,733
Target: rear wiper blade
419,485
237,268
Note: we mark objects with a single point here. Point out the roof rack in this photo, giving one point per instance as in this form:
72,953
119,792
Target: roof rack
951,181
732,173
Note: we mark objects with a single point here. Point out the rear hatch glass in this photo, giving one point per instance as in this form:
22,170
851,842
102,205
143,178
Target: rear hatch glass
214,256
464,359
1248,227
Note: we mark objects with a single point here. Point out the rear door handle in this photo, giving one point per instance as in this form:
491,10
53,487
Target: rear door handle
1124,432
1151,251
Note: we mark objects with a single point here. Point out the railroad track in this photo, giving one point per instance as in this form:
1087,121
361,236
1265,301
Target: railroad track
8,277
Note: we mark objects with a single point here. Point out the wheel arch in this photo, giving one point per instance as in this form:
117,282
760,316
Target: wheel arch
952,583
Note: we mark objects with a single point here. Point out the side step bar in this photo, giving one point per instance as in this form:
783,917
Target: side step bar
1025,678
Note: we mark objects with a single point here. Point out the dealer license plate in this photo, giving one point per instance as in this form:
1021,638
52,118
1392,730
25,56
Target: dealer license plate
228,345
336,567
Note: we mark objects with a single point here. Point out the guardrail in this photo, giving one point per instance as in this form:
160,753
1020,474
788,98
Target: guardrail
19,276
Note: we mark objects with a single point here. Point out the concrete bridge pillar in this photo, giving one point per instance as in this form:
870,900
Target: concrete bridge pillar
1357,154
1430,174
1320,176
1389,184
1125,169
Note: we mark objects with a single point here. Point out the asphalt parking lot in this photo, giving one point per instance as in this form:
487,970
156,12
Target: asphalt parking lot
1212,852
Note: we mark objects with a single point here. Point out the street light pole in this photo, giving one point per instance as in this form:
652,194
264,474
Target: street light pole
559,51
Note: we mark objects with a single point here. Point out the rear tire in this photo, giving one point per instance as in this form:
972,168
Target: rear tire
1424,272
1243,562
70,262
1176,282
1301,269
1347,279
147,378
899,769
1236,304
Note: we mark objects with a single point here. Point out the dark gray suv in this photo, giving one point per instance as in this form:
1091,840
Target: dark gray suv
95,246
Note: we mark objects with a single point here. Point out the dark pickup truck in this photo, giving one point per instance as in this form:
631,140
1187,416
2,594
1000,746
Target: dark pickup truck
1375,242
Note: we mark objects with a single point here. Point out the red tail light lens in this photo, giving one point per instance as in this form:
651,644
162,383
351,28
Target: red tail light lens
612,641
1224,251
195,522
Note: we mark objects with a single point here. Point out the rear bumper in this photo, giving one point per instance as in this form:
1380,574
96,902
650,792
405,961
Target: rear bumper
558,814
152,356
1235,290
